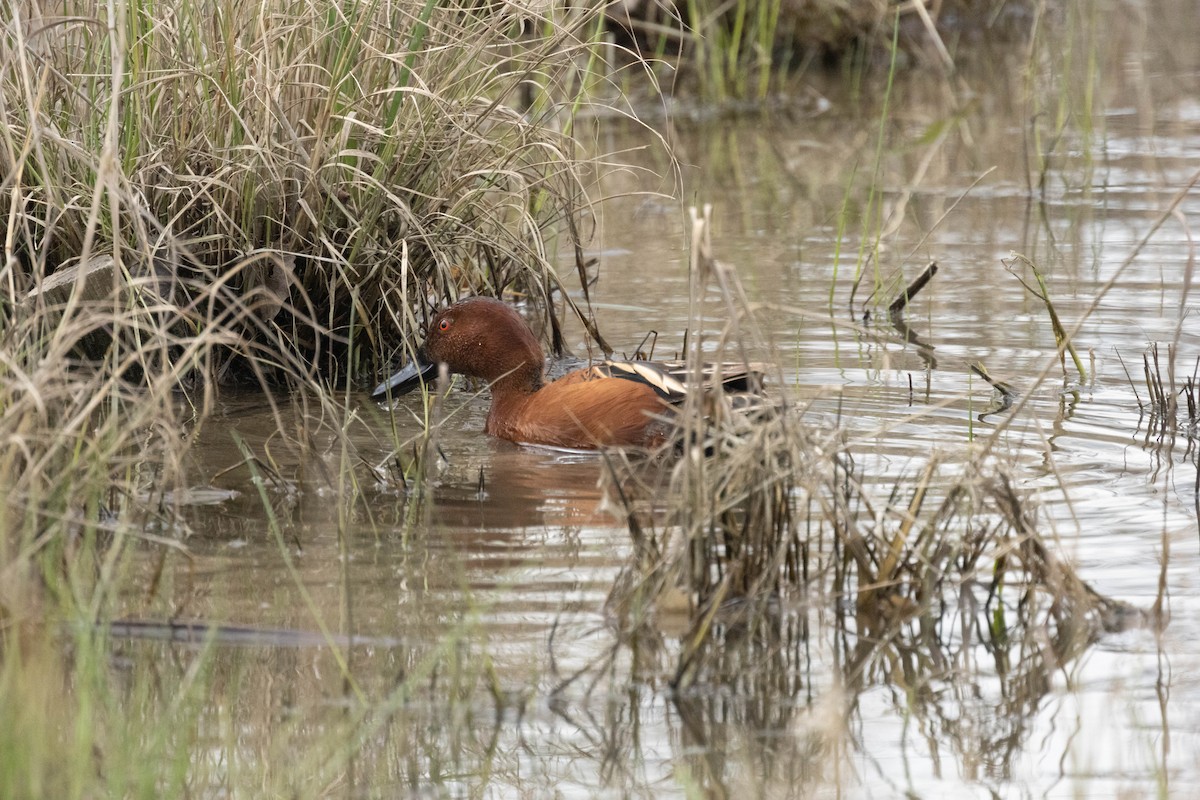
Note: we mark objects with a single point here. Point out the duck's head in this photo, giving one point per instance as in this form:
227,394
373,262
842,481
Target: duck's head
480,337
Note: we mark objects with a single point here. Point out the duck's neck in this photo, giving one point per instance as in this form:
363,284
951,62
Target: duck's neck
519,382
510,393
518,370
514,371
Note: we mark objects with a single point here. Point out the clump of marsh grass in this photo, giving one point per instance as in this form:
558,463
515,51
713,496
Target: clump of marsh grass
329,170
1169,405
768,514
89,461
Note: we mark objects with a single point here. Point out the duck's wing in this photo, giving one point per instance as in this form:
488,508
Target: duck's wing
665,382
670,379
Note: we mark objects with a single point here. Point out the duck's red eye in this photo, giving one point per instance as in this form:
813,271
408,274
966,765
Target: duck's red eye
444,325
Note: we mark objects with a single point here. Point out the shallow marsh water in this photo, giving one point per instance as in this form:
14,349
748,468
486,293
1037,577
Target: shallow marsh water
474,614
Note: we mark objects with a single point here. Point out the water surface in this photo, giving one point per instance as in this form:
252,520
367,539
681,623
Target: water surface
477,609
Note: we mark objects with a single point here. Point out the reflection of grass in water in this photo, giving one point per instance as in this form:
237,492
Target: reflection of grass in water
1062,115
163,720
937,583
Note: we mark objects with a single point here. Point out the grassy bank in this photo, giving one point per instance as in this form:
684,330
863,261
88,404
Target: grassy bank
753,49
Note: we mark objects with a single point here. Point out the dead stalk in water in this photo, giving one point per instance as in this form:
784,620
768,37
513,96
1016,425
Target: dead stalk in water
1042,292
896,309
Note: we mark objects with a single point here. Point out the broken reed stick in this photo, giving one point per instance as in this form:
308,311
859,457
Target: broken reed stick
900,303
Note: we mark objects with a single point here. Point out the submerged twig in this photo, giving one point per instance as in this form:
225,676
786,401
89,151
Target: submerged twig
1008,395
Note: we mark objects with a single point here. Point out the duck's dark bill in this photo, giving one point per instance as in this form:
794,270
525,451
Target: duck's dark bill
407,379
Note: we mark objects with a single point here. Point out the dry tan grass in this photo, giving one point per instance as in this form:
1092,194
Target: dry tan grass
315,173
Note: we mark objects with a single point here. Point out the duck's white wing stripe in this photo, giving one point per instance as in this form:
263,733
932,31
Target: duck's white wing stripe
666,385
